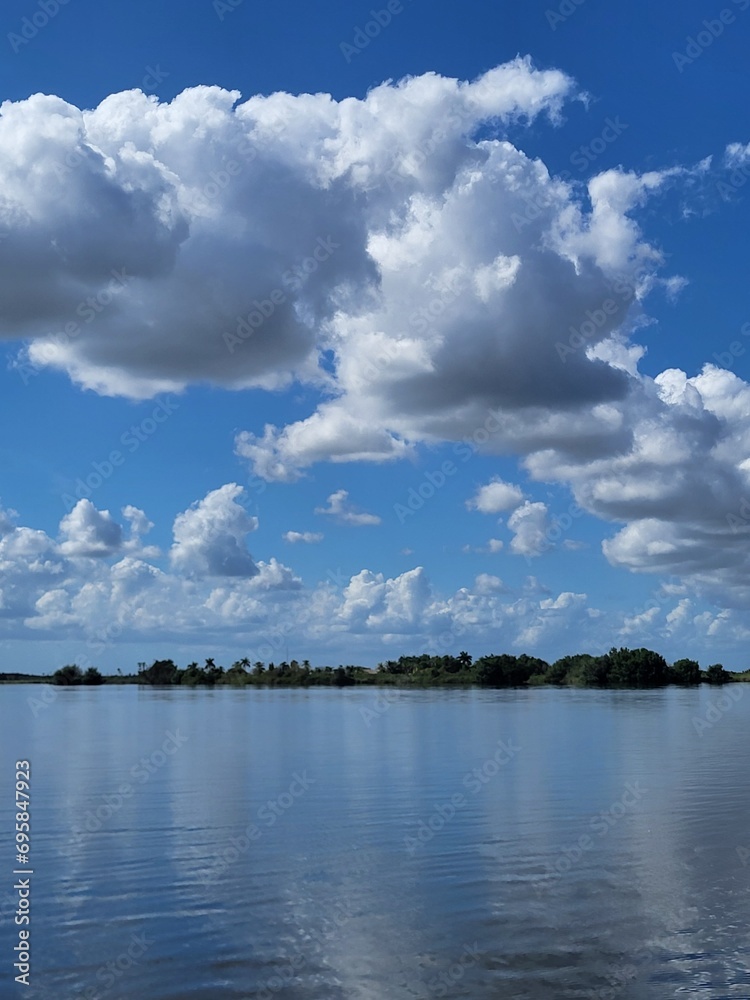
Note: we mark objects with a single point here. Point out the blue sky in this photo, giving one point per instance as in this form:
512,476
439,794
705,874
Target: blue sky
461,197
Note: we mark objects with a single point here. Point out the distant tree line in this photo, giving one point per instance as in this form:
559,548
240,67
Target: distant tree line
619,668
243,672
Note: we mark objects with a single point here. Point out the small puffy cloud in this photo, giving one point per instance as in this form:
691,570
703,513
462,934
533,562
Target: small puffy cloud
139,523
274,575
397,605
573,545
328,435
308,537
486,583
340,509
495,497
89,532
529,524
642,624
493,546
139,526
563,602
209,537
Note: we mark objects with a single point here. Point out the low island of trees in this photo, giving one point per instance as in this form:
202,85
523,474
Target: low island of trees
619,668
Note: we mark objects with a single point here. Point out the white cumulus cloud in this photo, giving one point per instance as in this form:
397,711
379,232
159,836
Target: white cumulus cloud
529,524
343,511
308,537
209,537
402,257
86,531
495,497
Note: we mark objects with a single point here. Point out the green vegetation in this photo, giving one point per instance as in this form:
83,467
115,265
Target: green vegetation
716,674
243,673
619,668
72,675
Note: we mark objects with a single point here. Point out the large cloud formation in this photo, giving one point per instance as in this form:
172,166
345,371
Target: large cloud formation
97,589
217,240
104,594
402,255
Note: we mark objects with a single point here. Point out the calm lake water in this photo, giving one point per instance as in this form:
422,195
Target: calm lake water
196,845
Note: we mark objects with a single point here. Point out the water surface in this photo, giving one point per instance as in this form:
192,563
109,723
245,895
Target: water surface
311,844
